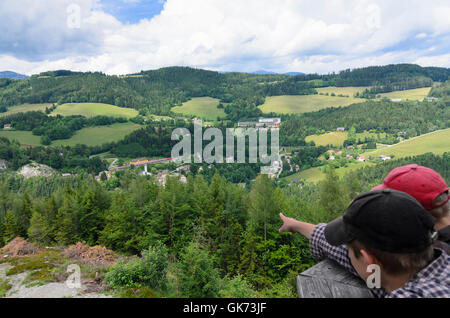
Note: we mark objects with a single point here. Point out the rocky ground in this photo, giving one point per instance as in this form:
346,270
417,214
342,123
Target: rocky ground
19,289
29,272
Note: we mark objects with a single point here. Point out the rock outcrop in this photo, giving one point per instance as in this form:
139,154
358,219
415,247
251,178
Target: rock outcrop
36,170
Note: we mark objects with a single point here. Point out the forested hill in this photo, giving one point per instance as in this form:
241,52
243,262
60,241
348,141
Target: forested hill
382,75
159,90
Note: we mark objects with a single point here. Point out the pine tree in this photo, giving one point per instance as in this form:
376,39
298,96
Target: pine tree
197,275
39,229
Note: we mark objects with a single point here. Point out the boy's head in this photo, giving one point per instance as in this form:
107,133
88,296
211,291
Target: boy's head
424,184
385,227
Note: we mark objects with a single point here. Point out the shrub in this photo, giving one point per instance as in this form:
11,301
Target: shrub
149,271
237,287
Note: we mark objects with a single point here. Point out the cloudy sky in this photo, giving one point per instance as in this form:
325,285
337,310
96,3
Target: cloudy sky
126,36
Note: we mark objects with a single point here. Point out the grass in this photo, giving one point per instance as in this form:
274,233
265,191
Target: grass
437,142
315,175
24,137
333,138
90,136
5,286
350,91
94,109
25,108
202,107
93,136
410,94
298,104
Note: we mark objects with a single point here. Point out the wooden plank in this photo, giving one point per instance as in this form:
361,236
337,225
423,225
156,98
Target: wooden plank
329,280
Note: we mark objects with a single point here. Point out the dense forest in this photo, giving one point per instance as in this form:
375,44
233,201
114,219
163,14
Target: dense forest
229,231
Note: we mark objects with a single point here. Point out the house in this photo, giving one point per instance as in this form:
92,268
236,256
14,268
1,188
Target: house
183,179
139,162
339,153
331,151
7,126
332,158
431,99
65,175
350,147
348,157
270,122
184,168
384,158
340,129
246,124
396,100
361,158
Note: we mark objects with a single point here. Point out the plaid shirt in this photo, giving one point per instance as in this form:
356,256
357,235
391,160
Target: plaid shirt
431,282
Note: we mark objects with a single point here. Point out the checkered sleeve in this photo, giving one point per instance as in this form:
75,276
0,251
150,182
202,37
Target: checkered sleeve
321,249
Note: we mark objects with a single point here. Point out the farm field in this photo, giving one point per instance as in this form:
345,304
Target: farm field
90,136
23,137
93,136
436,142
94,109
350,91
410,94
333,138
202,107
315,175
25,108
298,104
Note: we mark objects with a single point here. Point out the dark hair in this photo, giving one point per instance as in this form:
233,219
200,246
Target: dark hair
396,263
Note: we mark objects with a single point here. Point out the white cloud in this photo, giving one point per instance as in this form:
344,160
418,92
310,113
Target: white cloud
281,35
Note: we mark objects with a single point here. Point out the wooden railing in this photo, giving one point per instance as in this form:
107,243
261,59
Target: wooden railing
329,280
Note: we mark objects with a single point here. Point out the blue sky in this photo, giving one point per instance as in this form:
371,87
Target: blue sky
127,36
132,11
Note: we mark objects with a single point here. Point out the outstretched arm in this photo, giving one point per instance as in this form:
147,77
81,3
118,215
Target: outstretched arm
294,226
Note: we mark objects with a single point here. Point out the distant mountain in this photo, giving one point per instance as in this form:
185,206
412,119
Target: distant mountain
12,75
263,72
294,73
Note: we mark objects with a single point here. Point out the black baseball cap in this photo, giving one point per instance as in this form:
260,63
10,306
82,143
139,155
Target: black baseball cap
386,220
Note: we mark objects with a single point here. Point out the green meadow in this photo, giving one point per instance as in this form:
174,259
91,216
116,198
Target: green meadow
333,138
25,108
202,107
298,104
350,91
91,136
94,109
410,94
436,142
23,137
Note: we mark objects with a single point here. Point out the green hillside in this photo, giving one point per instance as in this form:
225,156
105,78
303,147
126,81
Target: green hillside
202,107
94,109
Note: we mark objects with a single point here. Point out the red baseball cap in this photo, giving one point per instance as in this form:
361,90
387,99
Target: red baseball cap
423,183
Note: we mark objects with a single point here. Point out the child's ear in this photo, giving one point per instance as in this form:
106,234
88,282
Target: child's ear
368,258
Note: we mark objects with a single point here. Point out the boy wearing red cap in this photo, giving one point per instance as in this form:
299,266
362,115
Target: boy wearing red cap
430,189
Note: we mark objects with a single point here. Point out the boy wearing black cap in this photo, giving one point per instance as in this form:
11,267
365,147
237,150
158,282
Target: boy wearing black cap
387,228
